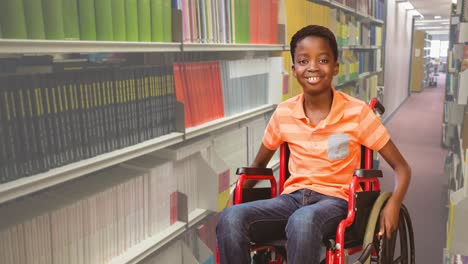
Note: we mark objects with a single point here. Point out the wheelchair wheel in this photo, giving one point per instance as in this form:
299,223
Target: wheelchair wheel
400,248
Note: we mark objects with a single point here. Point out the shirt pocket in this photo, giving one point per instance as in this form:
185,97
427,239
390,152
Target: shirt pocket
338,146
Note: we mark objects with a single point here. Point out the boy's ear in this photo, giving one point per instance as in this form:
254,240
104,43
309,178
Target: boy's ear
293,70
336,70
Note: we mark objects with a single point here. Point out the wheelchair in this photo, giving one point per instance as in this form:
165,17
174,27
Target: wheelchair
356,233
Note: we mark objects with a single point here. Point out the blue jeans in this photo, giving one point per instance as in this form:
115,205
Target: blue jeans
303,217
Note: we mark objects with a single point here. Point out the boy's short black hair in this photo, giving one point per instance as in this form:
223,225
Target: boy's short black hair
314,30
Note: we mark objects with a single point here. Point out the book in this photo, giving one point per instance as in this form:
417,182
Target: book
12,20
157,20
70,20
118,20
53,19
167,21
87,19
34,19
104,28
131,20
144,20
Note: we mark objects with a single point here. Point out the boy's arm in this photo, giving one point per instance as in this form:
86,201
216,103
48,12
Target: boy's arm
390,214
261,161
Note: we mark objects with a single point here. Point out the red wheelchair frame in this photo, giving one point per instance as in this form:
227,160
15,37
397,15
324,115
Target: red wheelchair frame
366,178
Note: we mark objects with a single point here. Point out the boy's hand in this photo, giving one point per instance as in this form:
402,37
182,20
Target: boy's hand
389,218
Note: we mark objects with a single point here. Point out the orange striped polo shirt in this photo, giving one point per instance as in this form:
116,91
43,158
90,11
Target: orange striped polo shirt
324,157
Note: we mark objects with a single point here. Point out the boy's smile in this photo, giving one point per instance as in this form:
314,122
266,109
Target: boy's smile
314,65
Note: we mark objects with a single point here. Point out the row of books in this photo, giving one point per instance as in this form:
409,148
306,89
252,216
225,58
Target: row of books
230,21
49,120
101,216
370,61
373,8
349,30
110,20
211,90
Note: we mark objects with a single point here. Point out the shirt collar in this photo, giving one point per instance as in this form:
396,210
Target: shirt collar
336,111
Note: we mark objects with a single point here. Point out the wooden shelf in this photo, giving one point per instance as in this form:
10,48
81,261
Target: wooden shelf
31,184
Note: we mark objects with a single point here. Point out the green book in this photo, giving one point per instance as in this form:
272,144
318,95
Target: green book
167,21
118,20
104,29
34,19
245,21
131,20
87,19
53,19
12,19
157,20
70,19
144,20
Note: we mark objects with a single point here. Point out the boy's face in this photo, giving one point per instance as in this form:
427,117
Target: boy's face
314,65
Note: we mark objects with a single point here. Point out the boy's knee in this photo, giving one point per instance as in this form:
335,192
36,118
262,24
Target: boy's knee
229,218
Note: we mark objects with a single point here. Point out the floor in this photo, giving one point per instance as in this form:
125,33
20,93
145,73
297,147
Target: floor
416,129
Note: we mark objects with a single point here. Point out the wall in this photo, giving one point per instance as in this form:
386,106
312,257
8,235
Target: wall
397,57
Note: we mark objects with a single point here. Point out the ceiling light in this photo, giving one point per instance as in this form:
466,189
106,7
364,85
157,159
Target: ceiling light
437,17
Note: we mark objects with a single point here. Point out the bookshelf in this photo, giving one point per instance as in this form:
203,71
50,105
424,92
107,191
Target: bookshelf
192,46
455,133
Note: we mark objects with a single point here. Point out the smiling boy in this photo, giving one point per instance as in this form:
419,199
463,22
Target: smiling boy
324,129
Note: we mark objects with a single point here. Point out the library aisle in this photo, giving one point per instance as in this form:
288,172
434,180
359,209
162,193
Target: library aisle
416,130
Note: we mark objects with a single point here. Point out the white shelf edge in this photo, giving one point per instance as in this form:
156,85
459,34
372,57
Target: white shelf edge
196,216
31,184
226,121
231,47
145,248
29,46
342,7
358,47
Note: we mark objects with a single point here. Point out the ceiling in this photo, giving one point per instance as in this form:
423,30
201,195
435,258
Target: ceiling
429,9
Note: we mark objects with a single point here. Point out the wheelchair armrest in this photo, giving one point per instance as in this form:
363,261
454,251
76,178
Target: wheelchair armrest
254,171
371,173
249,173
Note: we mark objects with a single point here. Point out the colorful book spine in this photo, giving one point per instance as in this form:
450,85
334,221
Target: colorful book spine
157,21
144,20
34,19
118,20
87,19
53,19
71,20
104,28
12,19
167,21
131,20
